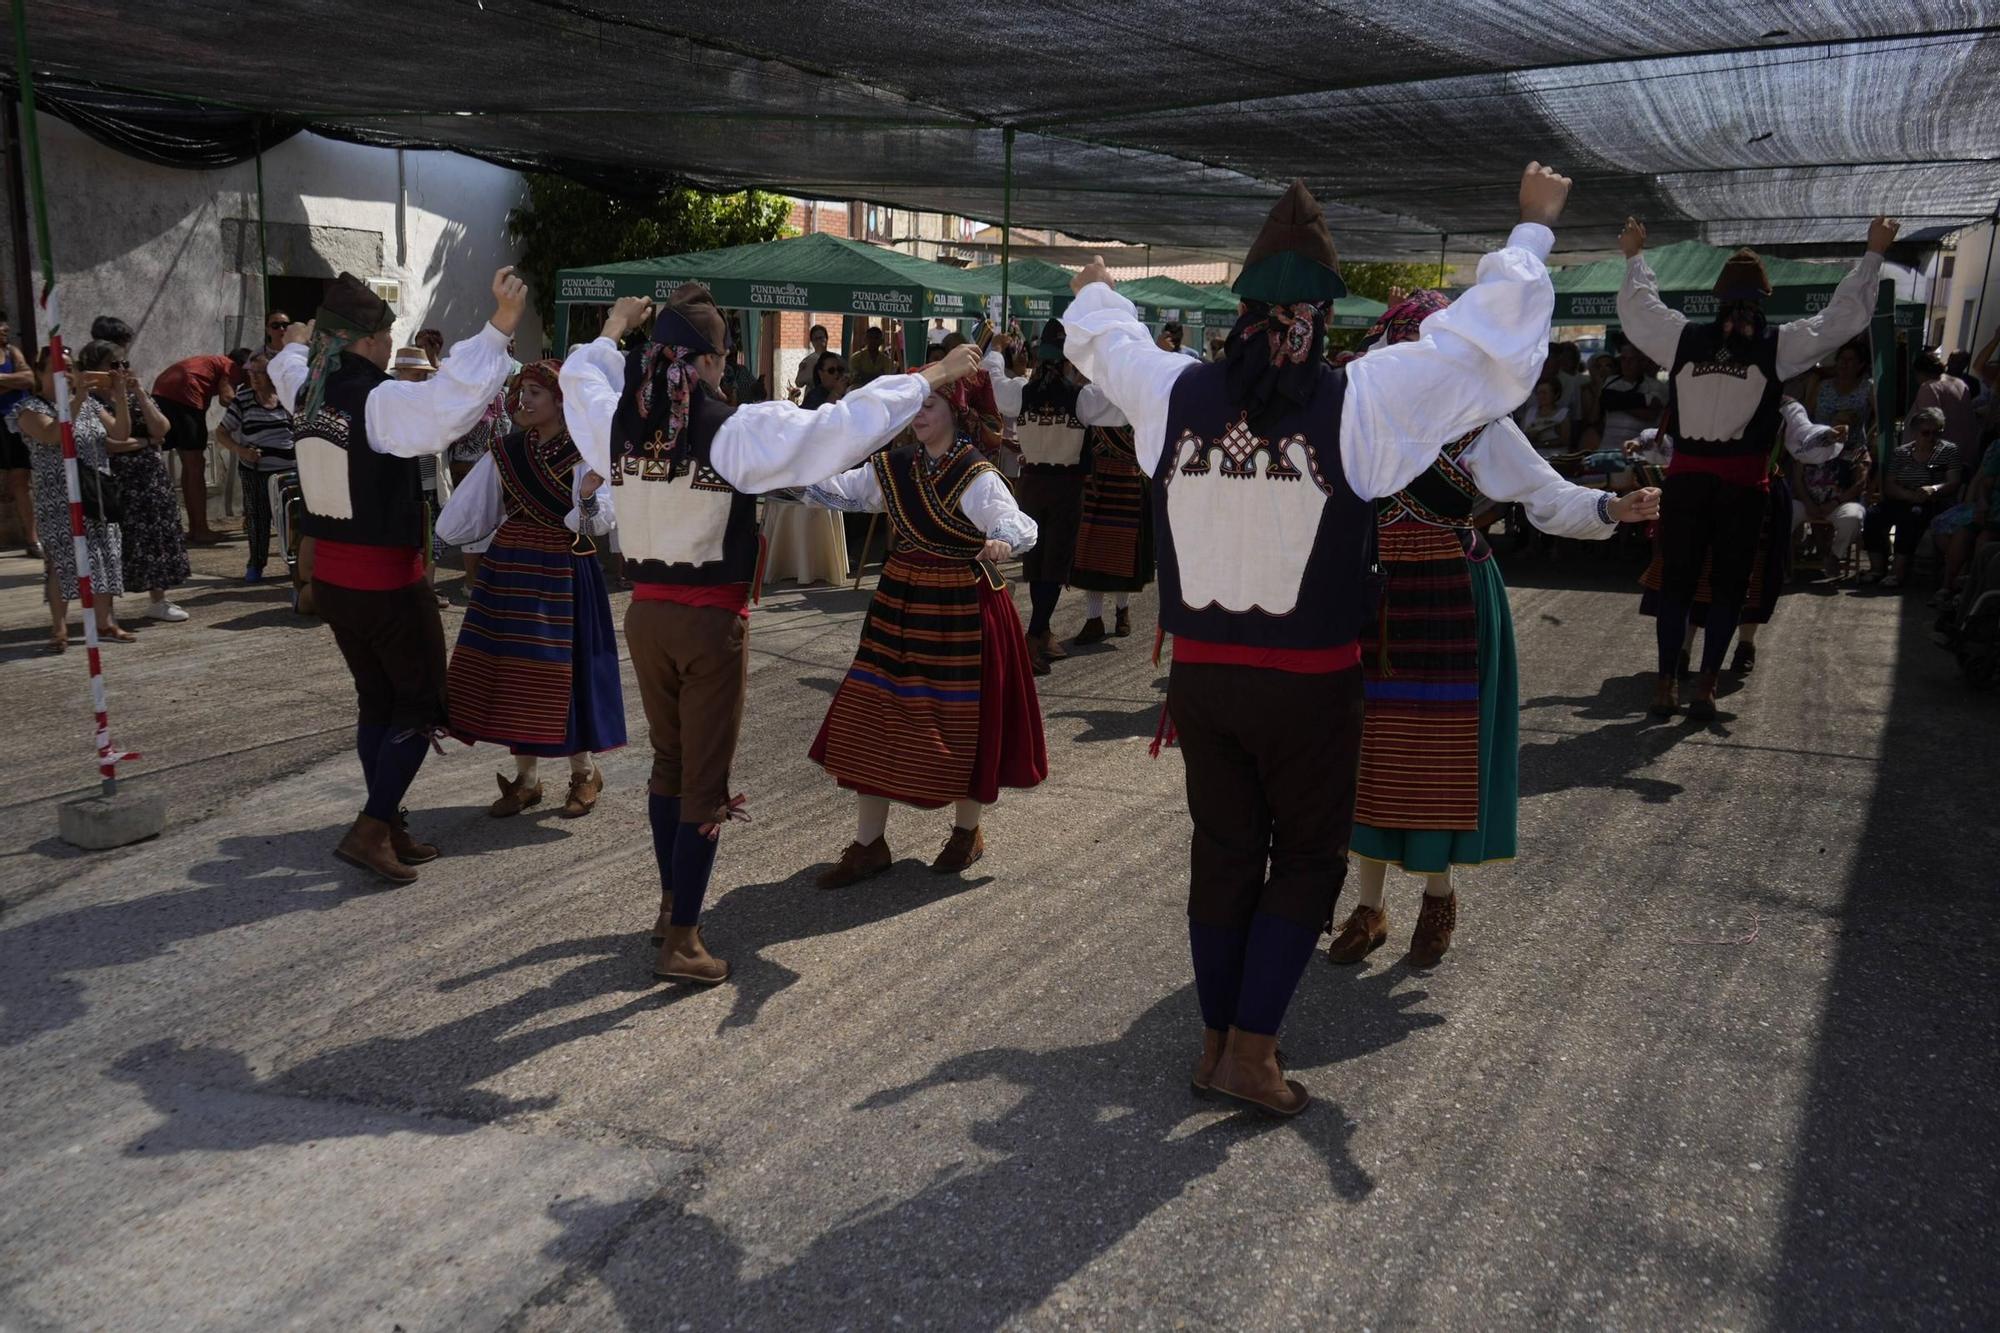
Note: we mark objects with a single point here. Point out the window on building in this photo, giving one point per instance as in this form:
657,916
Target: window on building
1950,263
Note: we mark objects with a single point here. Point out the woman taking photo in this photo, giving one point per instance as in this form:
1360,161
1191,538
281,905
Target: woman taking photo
149,522
257,428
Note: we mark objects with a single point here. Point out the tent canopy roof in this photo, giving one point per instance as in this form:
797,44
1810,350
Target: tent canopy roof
1786,122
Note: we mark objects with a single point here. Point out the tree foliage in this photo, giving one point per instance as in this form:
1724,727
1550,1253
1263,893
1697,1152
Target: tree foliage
1386,283
566,225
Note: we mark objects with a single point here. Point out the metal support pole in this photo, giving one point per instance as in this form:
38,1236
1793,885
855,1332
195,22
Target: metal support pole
263,246
107,756
1444,239
23,303
1006,215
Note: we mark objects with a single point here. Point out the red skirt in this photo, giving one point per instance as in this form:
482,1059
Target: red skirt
939,705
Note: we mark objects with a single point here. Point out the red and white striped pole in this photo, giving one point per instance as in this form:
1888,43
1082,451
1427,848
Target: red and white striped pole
108,755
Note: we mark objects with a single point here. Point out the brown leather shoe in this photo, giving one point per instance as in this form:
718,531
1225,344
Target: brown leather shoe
1666,697
683,957
367,845
856,864
1249,1072
1702,707
1432,937
515,796
1121,625
1053,647
1364,931
665,919
408,850
965,846
1092,631
1201,1082
1038,654
584,789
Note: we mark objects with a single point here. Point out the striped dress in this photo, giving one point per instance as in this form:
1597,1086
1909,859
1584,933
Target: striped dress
1114,542
939,704
536,664
1439,751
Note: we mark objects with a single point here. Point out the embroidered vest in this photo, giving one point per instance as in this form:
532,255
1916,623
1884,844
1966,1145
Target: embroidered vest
1443,497
352,493
1050,436
680,522
1262,543
922,498
1722,407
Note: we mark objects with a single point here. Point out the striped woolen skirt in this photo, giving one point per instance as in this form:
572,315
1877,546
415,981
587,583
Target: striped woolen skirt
939,705
1767,576
536,664
1440,748
1114,541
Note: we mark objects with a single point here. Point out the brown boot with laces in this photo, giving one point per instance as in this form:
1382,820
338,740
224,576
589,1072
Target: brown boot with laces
408,850
584,789
683,957
515,796
1092,632
856,864
368,846
965,846
1364,931
1122,625
1432,937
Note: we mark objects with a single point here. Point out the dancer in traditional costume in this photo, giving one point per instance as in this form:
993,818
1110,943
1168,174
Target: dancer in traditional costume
1440,752
1770,569
1114,542
939,707
688,470
359,436
536,664
1052,413
1725,379
1264,467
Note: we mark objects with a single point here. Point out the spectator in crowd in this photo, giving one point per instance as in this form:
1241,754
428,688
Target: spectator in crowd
93,429
432,341
257,429
1171,339
1921,480
803,380
873,360
829,383
1830,494
184,390
275,325
740,384
17,465
937,332
1545,421
1847,396
1590,412
1630,400
154,553
1983,528
1567,360
1218,344
1947,394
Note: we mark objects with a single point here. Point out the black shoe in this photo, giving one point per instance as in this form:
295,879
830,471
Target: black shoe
1745,660
33,550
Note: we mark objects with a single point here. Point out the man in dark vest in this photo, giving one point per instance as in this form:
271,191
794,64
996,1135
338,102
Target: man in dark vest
359,435
689,468
1264,466
1725,378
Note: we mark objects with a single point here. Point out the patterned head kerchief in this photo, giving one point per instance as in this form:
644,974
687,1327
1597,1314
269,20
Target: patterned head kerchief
1399,323
546,373
667,376
1291,331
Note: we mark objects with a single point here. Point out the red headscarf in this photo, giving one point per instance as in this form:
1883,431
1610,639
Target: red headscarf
547,373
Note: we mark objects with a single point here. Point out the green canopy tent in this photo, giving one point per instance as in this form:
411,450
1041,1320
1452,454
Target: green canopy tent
1174,301
829,274
1035,275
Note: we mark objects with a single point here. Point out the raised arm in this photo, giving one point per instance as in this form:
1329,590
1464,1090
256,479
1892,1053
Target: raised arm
1803,343
1006,389
411,418
592,379
475,509
1095,408
770,446
1507,468
1117,354
1653,328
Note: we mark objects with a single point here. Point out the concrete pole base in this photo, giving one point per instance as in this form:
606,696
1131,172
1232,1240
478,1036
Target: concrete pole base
99,823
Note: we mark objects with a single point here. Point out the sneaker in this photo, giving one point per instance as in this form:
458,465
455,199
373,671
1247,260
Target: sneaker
165,611
253,573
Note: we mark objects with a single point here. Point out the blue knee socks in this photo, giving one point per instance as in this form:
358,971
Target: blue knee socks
1218,971
396,765
685,857
368,740
1042,599
664,814
1273,961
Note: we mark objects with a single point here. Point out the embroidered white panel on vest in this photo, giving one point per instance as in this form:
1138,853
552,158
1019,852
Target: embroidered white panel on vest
323,477
1716,401
673,522
1050,440
1243,525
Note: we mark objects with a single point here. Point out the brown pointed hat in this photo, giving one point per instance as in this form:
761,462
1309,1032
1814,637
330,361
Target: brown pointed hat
1292,258
351,308
691,319
1743,278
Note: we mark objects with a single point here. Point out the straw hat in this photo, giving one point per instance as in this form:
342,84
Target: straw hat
412,358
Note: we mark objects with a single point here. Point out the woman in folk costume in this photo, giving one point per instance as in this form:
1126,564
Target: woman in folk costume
1265,467
689,469
1053,410
1114,542
1440,746
939,707
536,664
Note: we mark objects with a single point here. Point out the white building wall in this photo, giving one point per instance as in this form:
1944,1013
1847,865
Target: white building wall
149,243
1967,325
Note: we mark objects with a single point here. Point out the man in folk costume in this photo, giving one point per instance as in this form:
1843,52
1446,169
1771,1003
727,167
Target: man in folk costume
688,468
939,707
1724,382
1439,783
1053,414
359,436
536,664
1264,466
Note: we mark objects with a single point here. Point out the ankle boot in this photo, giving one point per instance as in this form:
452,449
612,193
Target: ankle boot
368,846
1432,937
516,795
683,957
1092,631
1121,626
1666,697
1249,1071
1201,1082
1702,708
584,789
961,849
666,917
860,861
408,850
1364,931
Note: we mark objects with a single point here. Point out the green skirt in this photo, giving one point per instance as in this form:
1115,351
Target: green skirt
1433,851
